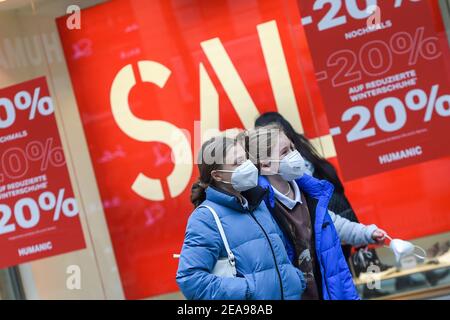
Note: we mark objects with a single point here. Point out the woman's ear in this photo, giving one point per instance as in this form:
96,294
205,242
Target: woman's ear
216,175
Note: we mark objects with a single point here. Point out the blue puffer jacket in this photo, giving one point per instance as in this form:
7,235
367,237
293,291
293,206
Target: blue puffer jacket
263,267
337,282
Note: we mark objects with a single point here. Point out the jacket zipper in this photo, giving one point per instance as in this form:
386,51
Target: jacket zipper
273,255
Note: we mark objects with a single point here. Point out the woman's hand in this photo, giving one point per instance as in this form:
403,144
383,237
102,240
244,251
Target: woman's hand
379,236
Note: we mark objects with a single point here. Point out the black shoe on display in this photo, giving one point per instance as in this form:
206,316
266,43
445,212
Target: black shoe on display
358,262
373,293
434,276
408,283
434,250
445,247
362,259
438,249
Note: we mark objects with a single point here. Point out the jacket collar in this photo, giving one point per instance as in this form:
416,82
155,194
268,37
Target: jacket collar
253,196
313,187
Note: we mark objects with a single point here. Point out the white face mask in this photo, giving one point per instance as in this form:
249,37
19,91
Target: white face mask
244,177
402,248
292,166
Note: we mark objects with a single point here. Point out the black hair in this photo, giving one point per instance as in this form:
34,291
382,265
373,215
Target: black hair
323,169
215,146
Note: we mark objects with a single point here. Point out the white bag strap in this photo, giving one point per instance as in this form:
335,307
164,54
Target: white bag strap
230,254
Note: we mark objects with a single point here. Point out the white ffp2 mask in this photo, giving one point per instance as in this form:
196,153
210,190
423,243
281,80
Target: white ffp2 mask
402,248
244,177
292,166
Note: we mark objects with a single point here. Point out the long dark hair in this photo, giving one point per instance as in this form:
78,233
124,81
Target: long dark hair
322,168
214,148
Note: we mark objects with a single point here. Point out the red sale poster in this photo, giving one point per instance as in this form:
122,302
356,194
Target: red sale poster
376,63
150,76
38,211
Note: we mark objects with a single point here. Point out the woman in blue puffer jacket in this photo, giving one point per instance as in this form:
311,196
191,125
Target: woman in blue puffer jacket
299,204
228,184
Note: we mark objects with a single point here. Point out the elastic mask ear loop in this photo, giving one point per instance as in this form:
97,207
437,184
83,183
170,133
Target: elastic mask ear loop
228,171
423,251
387,236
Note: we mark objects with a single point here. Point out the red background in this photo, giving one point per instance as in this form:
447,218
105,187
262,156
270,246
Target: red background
357,158
67,235
407,202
